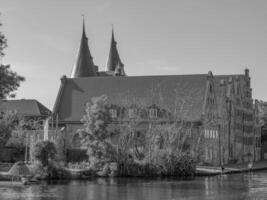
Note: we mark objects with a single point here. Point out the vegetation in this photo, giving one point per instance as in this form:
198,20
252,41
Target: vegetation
9,80
95,133
45,152
161,150
8,122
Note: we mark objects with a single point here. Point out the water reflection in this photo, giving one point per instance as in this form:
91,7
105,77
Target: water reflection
238,186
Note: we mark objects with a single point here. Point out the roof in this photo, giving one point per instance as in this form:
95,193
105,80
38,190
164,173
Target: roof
113,58
84,65
183,92
25,107
19,169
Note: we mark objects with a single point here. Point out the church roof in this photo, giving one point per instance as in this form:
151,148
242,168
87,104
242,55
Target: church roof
25,107
114,57
84,65
183,93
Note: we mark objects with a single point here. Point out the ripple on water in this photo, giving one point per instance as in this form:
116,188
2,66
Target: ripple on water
236,186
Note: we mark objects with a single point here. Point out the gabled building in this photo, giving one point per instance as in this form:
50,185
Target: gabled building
26,108
219,108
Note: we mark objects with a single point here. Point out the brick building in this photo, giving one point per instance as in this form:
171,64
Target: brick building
219,108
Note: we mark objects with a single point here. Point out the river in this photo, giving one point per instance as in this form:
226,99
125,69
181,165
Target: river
235,186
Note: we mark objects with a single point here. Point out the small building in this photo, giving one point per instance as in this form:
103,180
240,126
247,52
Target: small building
26,108
33,113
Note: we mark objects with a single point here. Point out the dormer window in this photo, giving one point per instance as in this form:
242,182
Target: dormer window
152,113
113,113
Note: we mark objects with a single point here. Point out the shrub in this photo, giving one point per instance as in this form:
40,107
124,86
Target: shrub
95,134
45,152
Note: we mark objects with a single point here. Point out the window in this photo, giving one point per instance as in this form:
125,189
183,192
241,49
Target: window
206,153
210,154
152,113
131,113
113,113
210,88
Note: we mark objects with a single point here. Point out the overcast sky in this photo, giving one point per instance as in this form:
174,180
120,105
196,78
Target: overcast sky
154,37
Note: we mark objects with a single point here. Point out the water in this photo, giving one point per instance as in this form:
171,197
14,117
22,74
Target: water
236,186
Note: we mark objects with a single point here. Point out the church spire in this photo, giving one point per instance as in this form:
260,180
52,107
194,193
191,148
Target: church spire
84,65
114,60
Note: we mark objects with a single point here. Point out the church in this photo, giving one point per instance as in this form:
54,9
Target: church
219,107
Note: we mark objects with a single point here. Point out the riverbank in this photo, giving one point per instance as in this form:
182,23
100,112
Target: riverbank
230,169
68,173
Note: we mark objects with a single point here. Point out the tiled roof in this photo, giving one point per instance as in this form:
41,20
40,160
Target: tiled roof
25,107
84,65
183,92
114,57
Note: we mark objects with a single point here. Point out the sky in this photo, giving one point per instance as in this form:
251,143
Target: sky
154,37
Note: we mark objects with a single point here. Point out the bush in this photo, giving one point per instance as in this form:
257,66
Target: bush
77,155
45,152
169,163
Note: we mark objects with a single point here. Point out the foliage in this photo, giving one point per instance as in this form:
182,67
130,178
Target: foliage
16,142
8,122
9,80
45,152
159,149
164,148
3,42
95,134
19,130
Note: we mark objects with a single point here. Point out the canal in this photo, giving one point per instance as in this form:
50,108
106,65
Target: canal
235,186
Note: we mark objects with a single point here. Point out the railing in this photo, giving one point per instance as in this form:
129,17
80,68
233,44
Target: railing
33,136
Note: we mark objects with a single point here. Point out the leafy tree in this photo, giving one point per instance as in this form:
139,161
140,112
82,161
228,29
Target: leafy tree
95,134
3,42
8,122
9,80
45,151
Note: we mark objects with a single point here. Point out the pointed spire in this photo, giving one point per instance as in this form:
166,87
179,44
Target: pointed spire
113,58
84,34
84,65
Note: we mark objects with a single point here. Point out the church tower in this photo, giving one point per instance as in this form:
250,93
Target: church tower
84,66
114,63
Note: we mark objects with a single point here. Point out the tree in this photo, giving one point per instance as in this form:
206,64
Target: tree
9,80
95,134
8,122
45,152
3,42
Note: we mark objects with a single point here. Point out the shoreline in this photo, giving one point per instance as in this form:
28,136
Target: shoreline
201,171
230,169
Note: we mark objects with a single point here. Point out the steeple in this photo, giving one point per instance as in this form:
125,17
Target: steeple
114,62
84,65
